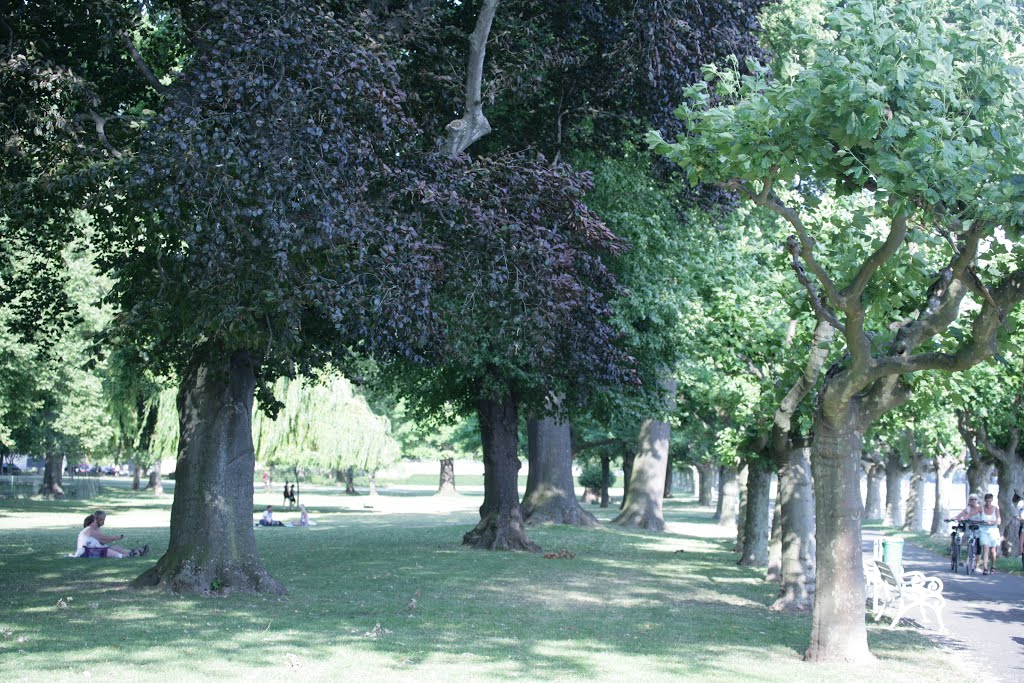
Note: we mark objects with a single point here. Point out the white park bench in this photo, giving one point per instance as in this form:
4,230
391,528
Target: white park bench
894,597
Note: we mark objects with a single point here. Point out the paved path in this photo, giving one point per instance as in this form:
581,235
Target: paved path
983,614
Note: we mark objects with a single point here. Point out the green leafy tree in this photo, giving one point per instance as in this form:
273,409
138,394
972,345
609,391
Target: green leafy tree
939,174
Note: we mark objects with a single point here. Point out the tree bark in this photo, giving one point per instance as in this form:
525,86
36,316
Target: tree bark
628,457
212,546
156,482
945,466
720,498
606,479
729,495
796,493
501,523
473,125
915,501
741,515
705,476
873,496
446,479
136,476
838,632
774,571
350,482
1010,475
643,505
550,496
894,471
755,525
53,476
668,478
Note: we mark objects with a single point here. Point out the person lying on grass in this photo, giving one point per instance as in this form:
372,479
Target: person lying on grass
91,537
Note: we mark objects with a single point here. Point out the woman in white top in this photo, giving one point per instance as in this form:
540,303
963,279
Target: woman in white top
91,537
990,536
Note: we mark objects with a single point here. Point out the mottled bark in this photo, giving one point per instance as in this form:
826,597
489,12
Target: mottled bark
720,497
945,466
755,523
212,546
773,574
550,496
838,632
643,500
1009,464
501,523
446,478
796,495
741,514
729,496
874,473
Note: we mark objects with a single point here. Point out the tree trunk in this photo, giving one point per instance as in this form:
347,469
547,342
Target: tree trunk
339,477
873,496
706,477
373,484
643,500
894,471
720,498
838,633
606,479
668,478
755,523
915,501
628,456
550,496
53,476
796,496
1010,475
979,474
945,466
156,482
729,495
446,480
212,546
501,523
136,476
741,516
774,572
687,480
350,482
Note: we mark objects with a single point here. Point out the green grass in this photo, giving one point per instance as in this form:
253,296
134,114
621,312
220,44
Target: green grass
629,605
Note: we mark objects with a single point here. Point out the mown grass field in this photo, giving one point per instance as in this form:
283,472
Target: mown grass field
381,590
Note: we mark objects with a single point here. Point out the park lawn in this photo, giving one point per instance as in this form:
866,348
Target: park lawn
381,590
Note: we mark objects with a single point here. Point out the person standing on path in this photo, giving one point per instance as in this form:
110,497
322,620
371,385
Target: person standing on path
990,536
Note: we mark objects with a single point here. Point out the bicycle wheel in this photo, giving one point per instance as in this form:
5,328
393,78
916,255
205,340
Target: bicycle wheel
972,556
954,555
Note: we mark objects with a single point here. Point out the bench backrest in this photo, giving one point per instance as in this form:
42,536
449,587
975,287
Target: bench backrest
887,574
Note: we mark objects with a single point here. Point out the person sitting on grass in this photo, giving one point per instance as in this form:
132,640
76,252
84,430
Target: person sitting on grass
304,519
268,518
91,537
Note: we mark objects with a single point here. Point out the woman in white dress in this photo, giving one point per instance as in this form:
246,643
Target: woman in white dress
990,536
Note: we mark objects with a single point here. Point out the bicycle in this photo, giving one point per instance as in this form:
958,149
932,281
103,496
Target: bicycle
964,531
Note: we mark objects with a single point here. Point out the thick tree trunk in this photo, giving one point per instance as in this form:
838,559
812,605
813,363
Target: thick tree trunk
729,496
979,474
53,476
945,466
894,471
755,524
1010,475
136,476
550,496
606,479
156,482
446,479
796,496
350,482
838,632
706,483
873,496
501,523
915,502
774,571
643,500
212,546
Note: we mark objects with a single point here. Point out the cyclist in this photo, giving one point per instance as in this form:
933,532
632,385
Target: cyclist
972,513
990,536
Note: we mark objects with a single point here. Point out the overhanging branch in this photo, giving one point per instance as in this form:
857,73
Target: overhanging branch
463,132
141,65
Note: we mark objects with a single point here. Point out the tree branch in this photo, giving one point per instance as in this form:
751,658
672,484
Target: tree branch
140,63
823,335
821,311
461,133
100,122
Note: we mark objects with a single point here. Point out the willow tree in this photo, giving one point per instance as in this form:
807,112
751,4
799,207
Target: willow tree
860,115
